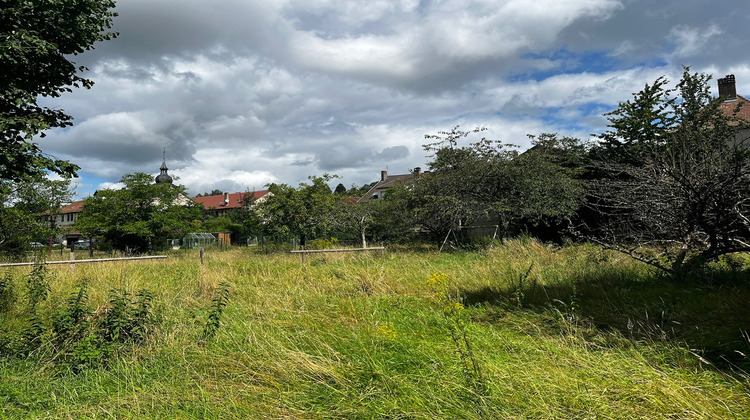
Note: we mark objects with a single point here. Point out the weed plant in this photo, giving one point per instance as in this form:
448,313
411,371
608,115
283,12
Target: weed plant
522,330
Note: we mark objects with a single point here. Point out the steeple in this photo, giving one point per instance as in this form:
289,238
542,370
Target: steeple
163,177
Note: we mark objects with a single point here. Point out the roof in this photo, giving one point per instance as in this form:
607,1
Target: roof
729,108
234,202
389,182
74,207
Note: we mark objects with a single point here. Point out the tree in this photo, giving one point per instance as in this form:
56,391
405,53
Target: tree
213,192
394,218
25,209
491,180
340,189
685,200
543,186
305,212
140,217
37,39
357,217
247,218
356,191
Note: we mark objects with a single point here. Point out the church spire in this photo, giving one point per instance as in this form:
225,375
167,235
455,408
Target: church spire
163,177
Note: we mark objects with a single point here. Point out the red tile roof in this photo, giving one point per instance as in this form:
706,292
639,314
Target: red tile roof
729,108
235,200
74,207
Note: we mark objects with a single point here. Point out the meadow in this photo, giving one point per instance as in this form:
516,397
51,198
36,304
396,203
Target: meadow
521,330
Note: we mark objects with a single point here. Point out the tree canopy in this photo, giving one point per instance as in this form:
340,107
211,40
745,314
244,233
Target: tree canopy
140,217
25,209
677,194
489,180
303,212
37,40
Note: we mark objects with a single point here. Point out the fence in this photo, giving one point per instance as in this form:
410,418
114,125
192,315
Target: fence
73,261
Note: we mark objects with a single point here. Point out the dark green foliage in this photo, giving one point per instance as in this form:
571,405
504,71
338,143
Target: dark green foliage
31,337
37,286
675,179
140,217
38,38
23,205
218,303
74,337
359,191
221,224
639,123
305,212
213,192
7,292
71,322
126,320
88,352
488,183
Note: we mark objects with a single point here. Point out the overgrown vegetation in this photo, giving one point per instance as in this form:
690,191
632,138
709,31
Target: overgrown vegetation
520,330
71,336
673,184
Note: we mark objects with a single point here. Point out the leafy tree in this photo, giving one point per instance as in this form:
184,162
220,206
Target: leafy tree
340,189
221,224
248,219
393,218
25,209
685,200
306,211
140,217
543,186
213,192
639,124
490,180
356,191
357,217
37,40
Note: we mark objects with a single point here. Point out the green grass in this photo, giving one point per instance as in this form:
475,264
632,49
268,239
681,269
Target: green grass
540,333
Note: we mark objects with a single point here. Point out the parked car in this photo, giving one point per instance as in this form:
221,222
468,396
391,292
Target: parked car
82,245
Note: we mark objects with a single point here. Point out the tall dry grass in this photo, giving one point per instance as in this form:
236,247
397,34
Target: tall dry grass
533,332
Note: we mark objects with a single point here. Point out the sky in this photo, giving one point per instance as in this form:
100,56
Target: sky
242,93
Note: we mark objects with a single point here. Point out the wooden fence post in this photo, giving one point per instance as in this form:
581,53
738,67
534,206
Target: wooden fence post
202,261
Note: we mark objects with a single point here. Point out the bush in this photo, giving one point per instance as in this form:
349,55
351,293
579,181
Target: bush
323,243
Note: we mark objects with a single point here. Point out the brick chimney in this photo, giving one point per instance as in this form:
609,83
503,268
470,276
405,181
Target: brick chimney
383,175
727,88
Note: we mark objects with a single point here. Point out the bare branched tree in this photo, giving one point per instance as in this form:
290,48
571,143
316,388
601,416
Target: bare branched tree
678,197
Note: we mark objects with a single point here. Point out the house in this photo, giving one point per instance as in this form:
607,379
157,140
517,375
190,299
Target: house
65,219
378,191
734,105
728,91
221,204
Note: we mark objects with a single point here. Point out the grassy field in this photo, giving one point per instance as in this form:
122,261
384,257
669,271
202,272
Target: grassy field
518,331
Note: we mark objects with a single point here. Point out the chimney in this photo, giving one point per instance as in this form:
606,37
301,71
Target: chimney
417,171
226,198
727,88
383,175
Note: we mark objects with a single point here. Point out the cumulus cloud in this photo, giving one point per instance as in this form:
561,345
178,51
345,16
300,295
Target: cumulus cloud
242,94
690,41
